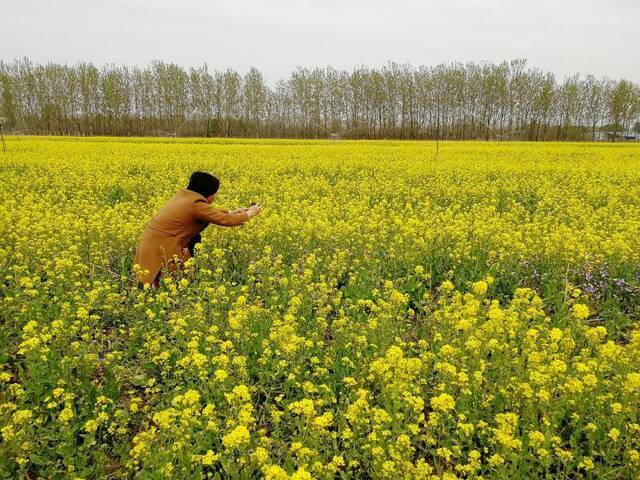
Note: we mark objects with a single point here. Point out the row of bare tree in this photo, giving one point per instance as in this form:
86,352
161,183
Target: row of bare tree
446,101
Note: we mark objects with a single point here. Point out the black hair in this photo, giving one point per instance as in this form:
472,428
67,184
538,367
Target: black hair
203,183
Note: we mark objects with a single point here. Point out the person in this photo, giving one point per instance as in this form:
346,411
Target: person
172,233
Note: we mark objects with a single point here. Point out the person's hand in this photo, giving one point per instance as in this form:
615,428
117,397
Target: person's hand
253,210
239,210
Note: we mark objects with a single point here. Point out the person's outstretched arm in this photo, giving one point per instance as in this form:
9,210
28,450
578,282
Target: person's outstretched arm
204,212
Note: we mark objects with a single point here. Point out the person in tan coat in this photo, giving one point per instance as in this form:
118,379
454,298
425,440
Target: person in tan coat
171,235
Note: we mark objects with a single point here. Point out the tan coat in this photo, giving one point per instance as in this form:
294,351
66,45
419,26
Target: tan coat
170,230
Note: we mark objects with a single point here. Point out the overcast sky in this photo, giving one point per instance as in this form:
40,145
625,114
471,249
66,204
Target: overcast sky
563,36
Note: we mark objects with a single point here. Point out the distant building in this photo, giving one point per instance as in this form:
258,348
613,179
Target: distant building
617,136
633,136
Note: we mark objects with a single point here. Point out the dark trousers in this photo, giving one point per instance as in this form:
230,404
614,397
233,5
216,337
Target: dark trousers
193,242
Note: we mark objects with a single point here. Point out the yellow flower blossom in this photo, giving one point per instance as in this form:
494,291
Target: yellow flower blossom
443,402
237,438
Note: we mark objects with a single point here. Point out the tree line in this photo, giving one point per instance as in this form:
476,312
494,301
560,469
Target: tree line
487,101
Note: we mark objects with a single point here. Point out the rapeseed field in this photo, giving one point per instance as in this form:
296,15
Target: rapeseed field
390,314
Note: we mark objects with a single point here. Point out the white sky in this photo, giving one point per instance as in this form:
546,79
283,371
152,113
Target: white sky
563,36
